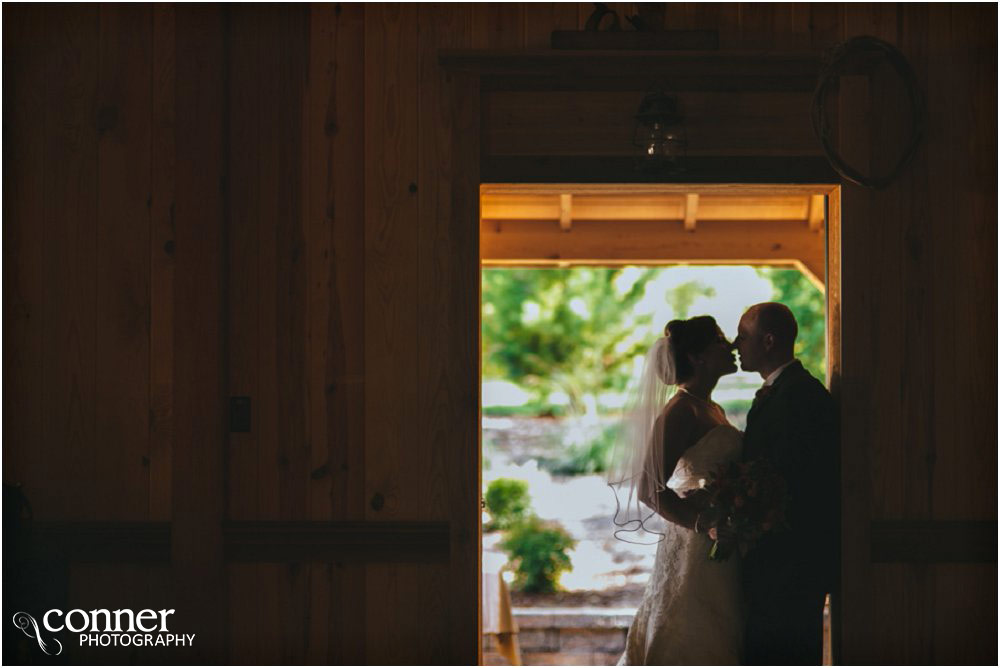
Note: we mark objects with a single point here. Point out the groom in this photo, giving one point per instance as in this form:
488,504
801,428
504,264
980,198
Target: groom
792,423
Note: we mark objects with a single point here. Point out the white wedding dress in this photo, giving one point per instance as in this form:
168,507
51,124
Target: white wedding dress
692,609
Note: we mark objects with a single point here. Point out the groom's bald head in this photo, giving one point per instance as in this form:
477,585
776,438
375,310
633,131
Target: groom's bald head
766,337
777,320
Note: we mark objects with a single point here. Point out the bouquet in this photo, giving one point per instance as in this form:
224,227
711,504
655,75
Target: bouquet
749,498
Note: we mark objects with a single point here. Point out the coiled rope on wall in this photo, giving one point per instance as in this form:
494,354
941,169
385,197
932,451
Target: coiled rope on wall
845,57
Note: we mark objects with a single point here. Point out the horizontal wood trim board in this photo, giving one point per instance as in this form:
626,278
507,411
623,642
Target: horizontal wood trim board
282,542
649,65
651,241
95,542
929,541
638,81
608,169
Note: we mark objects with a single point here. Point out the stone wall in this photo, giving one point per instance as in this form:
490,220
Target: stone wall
561,636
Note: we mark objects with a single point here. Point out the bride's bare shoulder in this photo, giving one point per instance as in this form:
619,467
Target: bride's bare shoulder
678,415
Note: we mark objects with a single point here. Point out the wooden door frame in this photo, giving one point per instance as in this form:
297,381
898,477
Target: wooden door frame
468,74
832,295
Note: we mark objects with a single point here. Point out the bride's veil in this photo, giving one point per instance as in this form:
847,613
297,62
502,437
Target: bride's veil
636,472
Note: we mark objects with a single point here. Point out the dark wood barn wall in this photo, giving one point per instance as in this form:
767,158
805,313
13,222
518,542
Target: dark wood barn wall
202,202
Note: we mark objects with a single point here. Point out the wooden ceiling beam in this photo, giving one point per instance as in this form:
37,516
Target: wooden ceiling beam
690,212
566,212
518,243
691,207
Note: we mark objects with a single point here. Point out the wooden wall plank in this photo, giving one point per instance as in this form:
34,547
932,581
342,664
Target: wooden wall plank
199,369
124,201
161,278
347,625
962,313
825,22
441,261
391,268
269,627
244,612
244,243
335,155
242,453
965,614
857,302
317,641
339,194
541,18
920,280
25,457
289,50
498,25
319,85
465,462
912,305
391,312
269,437
70,222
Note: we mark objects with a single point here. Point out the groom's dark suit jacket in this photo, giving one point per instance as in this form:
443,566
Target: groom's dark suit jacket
794,425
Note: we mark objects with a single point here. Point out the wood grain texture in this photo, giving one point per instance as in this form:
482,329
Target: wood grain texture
124,200
69,218
244,243
161,262
448,268
24,252
391,268
335,208
541,18
716,123
465,471
289,54
270,473
199,369
918,310
350,297
244,639
497,25
856,394
392,301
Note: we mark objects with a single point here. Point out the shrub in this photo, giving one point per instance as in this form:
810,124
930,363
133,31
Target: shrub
507,501
538,551
590,458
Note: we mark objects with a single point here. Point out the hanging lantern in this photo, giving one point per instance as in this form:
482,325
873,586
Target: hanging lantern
659,129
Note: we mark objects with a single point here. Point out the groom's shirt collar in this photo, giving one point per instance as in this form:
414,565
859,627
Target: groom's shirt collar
777,372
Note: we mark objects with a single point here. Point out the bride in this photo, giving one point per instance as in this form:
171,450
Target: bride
691,611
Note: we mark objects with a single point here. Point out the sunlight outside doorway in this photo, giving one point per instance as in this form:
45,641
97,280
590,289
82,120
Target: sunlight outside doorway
567,316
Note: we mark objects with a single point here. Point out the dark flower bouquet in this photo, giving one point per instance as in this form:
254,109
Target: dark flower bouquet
748,499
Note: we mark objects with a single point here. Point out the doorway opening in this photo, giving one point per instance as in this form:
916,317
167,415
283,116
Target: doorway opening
576,279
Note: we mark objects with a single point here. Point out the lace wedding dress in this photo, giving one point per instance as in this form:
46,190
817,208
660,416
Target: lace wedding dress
692,609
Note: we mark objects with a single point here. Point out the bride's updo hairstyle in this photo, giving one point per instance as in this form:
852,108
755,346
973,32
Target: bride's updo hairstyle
689,337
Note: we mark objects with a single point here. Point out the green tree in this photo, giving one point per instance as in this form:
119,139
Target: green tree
682,297
562,329
808,304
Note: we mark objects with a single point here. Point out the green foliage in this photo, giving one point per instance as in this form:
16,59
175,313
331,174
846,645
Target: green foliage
593,457
507,501
562,329
682,297
538,551
533,408
808,303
